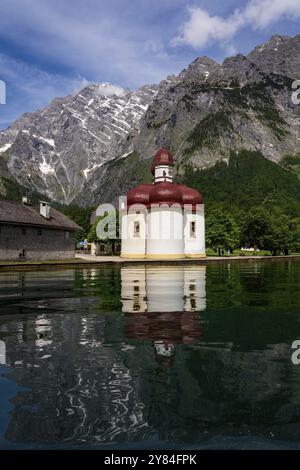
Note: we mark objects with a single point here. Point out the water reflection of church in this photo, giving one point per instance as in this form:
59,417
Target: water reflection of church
163,304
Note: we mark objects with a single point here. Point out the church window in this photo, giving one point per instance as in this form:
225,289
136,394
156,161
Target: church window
136,230
193,229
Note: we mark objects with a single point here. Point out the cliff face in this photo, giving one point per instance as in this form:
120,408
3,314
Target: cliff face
212,109
57,149
279,55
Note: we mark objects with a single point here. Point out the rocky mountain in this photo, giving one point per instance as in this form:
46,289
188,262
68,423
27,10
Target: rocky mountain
212,109
92,146
57,149
205,112
279,55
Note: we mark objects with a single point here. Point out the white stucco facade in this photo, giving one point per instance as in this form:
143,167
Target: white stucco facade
163,173
165,232
194,232
133,234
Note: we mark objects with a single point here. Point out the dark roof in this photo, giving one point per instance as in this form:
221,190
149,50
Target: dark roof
139,194
25,214
162,157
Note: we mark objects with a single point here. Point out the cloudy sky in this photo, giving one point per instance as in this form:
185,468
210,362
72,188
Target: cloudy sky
51,48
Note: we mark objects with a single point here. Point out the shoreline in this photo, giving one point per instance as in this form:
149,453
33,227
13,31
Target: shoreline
81,261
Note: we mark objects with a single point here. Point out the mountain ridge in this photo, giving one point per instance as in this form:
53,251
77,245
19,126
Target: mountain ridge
54,149
99,141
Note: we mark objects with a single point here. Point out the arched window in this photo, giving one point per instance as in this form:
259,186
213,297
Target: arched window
136,230
193,229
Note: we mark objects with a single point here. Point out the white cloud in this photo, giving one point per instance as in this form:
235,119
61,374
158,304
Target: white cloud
201,29
262,13
107,89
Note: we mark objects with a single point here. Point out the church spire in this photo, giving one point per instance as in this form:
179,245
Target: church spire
162,166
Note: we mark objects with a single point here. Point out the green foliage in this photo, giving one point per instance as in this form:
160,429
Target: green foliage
92,234
289,161
221,230
259,196
80,215
292,163
264,231
207,131
264,106
257,228
247,180
14,192
273,119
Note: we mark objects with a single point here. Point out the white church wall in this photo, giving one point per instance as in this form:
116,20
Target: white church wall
163,173
165,232
133,240
194,243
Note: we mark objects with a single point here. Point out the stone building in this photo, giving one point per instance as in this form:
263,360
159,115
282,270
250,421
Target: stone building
35,233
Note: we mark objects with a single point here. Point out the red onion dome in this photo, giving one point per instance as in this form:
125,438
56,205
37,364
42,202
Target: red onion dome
162,157
165,193
139,195
190,196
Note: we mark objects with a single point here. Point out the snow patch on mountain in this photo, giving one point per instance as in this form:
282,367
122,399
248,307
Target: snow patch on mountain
86,171
4,148
57,149
45,168
48,141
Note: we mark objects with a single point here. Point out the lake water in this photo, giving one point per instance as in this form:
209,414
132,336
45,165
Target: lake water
153,356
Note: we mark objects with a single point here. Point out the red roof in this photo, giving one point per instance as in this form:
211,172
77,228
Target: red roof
139,195
162,157
165,193
190,195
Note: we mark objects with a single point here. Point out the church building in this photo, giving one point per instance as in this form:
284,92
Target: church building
162,220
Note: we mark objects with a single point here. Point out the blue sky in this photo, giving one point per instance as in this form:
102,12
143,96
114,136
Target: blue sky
51,48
